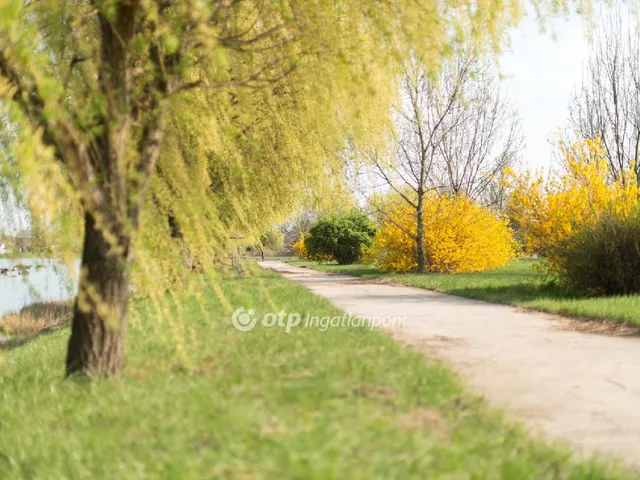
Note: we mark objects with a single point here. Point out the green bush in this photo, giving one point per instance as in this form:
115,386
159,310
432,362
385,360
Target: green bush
603,258
341,239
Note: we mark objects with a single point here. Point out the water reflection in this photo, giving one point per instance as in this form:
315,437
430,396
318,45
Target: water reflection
24,281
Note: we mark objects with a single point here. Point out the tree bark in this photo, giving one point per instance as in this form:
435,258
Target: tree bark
420,232
96,347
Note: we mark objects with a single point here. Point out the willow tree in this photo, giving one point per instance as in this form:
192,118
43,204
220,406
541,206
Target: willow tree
123,105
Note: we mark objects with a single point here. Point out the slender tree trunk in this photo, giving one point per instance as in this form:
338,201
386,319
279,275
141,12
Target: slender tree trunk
96,346
420,232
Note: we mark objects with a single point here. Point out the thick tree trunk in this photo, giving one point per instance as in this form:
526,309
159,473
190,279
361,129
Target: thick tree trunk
420,232
96,346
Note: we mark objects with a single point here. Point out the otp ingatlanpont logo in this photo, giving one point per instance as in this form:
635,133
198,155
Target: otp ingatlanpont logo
244,320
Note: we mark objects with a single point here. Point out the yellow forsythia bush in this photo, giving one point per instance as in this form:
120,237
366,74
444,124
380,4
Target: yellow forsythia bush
299,247
460,236
549,212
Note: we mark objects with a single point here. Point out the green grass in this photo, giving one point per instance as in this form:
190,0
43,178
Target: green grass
345,403
516,284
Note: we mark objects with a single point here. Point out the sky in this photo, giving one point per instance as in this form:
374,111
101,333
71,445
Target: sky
541,71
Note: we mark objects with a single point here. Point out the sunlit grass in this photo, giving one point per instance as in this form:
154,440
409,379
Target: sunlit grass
345,403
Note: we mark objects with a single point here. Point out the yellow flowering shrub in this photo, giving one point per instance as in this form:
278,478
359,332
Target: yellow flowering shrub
549,212
299,247
459,236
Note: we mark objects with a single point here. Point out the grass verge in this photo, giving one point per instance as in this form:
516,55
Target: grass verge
345,403
516,284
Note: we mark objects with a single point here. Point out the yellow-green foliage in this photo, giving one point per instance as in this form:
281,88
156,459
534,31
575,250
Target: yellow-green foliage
250,103
459,236
550,211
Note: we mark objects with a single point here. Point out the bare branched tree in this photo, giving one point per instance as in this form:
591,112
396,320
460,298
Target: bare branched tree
455,134
479,138
607,104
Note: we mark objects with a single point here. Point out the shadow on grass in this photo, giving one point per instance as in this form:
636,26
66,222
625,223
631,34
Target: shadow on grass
358,271
16,342
512,294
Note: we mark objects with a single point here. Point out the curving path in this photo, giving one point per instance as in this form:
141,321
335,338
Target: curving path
577,387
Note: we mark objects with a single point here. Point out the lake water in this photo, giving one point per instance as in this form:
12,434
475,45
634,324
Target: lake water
45,280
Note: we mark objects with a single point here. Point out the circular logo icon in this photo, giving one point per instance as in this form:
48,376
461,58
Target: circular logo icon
243,320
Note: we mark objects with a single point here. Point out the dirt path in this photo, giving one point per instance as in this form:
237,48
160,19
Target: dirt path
578,387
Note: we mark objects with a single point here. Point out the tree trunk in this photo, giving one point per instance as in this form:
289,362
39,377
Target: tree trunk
96,346
420,232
